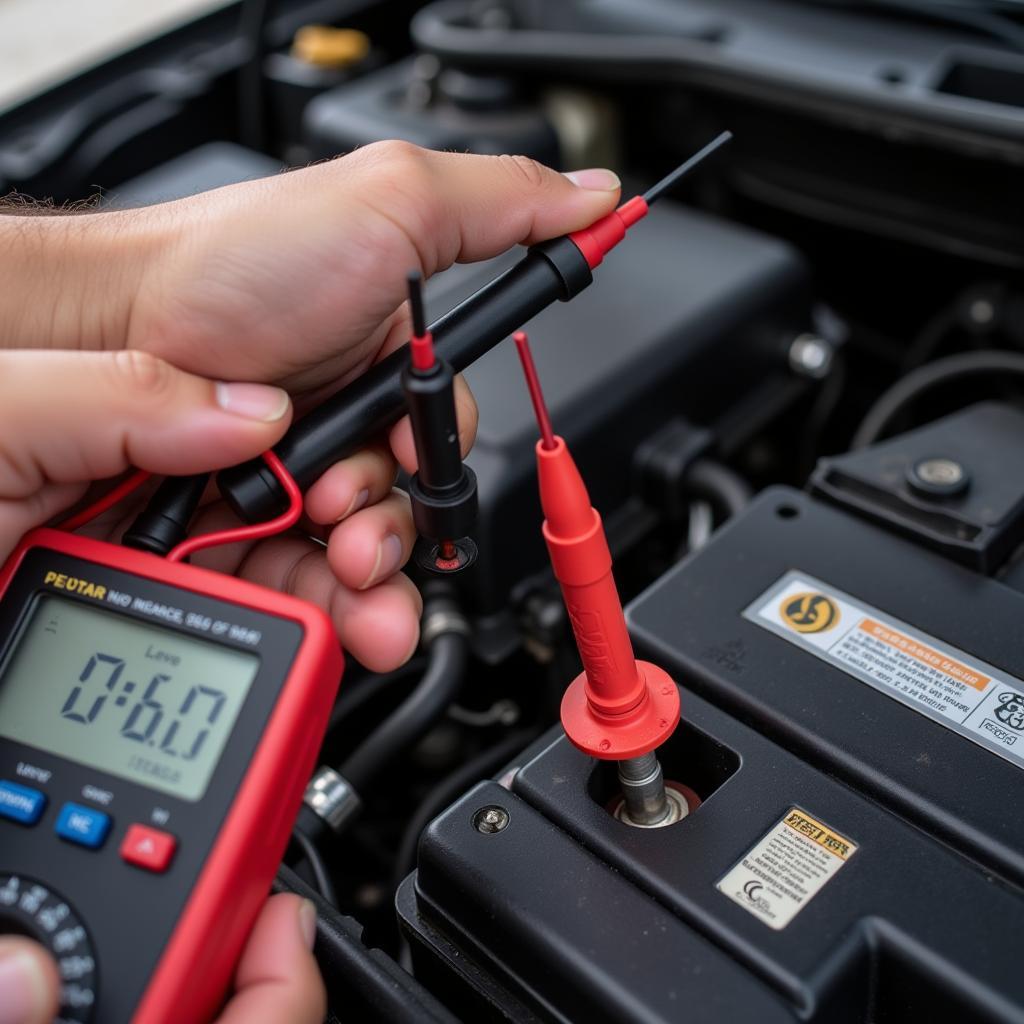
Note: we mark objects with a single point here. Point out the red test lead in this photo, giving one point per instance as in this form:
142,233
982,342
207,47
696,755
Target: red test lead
619,708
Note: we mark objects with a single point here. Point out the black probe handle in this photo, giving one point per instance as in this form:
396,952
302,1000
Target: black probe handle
551,271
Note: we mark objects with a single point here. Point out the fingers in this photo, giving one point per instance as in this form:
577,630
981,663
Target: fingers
79,416
363,479
277,978
378,627
29,983
466,207
372,546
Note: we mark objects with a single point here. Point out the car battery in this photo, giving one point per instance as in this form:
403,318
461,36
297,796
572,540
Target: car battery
853,731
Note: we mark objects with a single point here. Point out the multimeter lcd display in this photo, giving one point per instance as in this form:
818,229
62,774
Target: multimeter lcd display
138,701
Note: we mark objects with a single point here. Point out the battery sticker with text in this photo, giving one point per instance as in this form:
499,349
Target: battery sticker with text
935,679
786,868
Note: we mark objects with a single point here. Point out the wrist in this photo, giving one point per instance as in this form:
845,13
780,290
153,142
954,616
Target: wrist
71,279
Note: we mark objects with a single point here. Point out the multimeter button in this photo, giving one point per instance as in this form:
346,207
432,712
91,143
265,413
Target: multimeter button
21,804
82,825
148,848
29,908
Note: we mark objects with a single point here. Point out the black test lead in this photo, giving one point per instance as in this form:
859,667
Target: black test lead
443,489
553,271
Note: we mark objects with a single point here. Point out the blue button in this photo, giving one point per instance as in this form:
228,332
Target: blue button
19,803
82,825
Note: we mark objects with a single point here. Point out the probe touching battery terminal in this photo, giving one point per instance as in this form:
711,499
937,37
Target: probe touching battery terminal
443,488
618,708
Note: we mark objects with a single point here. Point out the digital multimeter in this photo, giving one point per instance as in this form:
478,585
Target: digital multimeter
158,725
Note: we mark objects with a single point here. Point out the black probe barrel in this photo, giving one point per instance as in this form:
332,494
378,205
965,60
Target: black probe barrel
549,272
429,395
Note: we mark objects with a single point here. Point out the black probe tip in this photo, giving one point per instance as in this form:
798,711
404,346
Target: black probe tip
657,191
419,322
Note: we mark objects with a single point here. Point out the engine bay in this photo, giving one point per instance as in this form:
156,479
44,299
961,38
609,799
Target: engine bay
795,399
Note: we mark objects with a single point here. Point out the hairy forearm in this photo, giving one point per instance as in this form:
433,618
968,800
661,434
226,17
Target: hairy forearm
69,279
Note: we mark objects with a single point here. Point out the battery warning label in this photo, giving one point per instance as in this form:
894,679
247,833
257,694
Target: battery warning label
935,679
786,868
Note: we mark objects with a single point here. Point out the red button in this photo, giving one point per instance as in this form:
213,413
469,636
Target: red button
148,848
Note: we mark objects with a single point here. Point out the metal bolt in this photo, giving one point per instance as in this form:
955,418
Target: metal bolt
811,356
489,820
331,797
941,472
643,790
982,312
938,476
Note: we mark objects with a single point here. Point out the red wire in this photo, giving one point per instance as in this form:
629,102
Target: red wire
255,531
533,384
111,498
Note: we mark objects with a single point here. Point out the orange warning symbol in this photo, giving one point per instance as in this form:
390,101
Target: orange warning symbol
809,612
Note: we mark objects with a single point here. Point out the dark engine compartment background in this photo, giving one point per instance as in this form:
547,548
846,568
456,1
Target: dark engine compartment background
867,222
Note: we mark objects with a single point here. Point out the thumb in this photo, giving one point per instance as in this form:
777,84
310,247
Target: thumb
68,417
277,978
29,984
464,207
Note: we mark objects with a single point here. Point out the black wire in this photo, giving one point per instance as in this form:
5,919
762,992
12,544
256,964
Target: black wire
446,666
449,789
316,863
723,487
352,701
251,106
825,404
909,388
163,524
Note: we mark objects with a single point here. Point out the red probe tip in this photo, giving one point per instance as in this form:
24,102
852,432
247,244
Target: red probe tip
533,385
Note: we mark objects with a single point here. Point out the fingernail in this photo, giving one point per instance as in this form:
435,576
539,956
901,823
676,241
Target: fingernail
25,993
356,504
389,559
599,179
253,401
307,922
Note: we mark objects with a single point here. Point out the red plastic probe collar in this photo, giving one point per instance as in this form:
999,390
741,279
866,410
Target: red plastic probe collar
617,707
603,235
606,233
421,348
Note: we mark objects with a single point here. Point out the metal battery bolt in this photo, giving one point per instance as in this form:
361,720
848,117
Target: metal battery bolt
331,798
489,820
938,476
646,801
811,356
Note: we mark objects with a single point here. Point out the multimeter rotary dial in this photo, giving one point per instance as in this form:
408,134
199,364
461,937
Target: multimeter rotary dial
30,908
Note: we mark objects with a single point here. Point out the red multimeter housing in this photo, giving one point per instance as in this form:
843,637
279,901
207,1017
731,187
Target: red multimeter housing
158,726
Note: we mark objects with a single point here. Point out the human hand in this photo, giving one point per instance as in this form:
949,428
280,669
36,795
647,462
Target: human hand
298,280
277,977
